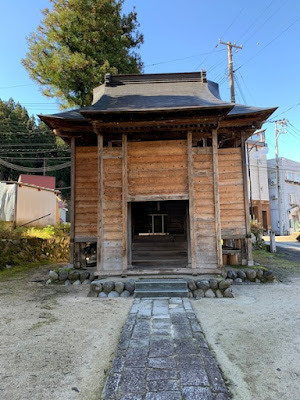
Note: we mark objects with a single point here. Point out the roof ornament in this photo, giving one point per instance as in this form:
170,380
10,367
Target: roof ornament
107,79
203,76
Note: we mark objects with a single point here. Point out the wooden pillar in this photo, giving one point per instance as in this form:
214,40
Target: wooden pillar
217,196
124,204
191,198
72,216
100,205
246,200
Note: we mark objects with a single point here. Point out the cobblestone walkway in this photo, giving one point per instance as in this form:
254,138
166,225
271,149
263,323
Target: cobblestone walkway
163,355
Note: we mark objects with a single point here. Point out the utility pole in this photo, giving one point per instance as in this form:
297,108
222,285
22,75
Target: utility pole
230,66
279,125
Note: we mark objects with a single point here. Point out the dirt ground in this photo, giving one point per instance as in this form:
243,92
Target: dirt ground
58,344
55,342
256,335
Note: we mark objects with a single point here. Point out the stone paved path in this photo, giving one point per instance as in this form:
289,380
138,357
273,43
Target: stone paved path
163,355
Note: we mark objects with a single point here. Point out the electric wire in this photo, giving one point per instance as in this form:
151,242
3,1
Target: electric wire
268,44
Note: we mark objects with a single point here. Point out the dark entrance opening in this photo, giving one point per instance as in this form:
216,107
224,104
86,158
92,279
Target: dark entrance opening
159,234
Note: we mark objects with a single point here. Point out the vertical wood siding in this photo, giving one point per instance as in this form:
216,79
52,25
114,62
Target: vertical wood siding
157,168
86,191
112,209
232,205
204,212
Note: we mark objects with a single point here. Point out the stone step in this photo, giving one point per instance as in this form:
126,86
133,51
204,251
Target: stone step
153,293
161,284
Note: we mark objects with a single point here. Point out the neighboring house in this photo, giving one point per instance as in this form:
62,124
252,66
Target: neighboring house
257,150
288,193
159,174
25,204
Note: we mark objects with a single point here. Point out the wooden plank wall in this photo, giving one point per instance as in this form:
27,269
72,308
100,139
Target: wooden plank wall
232,205
157,168
112,209
204,212
86,191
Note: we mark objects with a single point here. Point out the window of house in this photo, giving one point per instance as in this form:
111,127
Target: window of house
289,176
297,178
293,198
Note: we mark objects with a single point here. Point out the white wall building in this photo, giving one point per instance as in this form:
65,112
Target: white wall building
289,188
257,150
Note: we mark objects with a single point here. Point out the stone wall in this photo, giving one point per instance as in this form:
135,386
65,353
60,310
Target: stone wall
240,276
198,288
19,251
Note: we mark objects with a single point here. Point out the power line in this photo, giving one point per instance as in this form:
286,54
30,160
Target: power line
268,44
234,19
180,59
29,169
283,112
264,22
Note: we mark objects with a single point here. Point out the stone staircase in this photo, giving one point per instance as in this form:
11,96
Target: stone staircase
161,288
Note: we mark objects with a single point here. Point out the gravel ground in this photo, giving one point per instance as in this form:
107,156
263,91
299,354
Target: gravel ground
256,339
58,344
55,342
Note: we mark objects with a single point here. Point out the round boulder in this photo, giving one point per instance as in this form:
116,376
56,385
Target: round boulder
219,294
77,283
130,285
241,274
198,294
224,284
251,275
269,276
119,286
63,275
113,294
210,294
96,286
213,283
232,275
259,274
108,286
238,280
125,294
203,284
228,293
102,295
67,282
84,275
73,276
192,285
53,276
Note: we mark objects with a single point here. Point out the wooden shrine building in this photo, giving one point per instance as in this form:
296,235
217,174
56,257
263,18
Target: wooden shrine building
159,176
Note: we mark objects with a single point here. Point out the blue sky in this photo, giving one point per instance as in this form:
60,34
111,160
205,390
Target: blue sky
181,36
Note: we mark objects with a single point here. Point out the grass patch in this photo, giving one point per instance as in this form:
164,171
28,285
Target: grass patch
7,274
277,262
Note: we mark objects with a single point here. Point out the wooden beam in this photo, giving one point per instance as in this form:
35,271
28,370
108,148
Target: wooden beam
246,200
100,205
157,197
217,196
124,203
191,198
72,216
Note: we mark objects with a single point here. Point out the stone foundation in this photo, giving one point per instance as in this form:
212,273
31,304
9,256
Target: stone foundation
198,288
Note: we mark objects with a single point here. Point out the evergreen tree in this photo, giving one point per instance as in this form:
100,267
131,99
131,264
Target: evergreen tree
77,43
